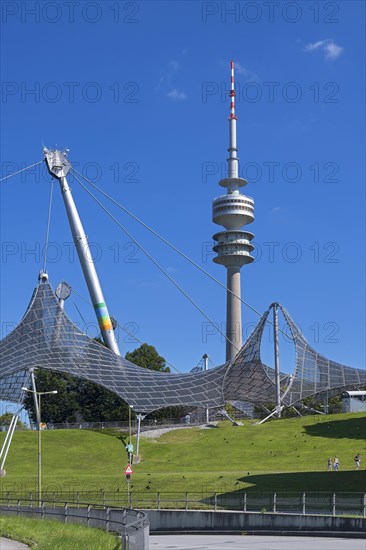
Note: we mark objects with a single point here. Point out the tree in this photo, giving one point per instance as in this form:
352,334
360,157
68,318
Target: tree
5,420
61,407
147,357
97,404
335,404
77,400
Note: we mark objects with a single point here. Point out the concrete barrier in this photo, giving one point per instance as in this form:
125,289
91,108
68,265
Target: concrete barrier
225,521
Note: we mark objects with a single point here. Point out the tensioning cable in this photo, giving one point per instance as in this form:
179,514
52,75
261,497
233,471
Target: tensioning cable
172,246
47,229
156,263
20,171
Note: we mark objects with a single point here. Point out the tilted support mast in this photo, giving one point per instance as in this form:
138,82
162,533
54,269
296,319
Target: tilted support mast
59,166
277,358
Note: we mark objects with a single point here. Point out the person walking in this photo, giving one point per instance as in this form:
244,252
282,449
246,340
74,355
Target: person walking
329,464
357,460
336,464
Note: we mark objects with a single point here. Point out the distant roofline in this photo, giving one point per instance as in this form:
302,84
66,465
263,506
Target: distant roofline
353,393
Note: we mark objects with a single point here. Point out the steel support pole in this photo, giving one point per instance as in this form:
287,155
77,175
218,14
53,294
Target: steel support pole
88,267
130,455
34,388
8,438
205,364
7,435
139,418
277,359
39,453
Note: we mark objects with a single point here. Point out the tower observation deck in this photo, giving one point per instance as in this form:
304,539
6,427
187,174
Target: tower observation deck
233,210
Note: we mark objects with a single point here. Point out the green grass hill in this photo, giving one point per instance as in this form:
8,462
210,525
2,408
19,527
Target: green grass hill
281,455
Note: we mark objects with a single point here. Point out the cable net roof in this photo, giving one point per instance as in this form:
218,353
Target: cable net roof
46,338
248,379
11,386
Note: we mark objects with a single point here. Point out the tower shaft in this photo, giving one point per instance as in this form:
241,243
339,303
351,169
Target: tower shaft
233,313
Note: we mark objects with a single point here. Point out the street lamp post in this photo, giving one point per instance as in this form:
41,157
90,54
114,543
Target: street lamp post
327,401
139,418
38,395
130,454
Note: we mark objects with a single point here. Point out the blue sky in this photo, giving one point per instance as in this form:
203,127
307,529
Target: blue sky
138,96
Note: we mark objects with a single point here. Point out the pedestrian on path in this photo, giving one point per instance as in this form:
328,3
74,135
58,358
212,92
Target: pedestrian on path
357,461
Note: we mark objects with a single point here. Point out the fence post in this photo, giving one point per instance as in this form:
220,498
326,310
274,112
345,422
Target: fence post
104,498
274,503
65,512
364,505
124,539
159,501
130,499
54,500
88,516
186,502
334,504
303,504
107,518
18,507
78,499
215,501
245,503
42,509
31,499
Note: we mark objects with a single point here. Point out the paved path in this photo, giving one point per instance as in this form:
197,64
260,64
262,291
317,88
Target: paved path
251,542
7,544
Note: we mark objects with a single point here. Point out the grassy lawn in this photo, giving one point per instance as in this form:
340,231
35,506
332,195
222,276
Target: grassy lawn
283,455
56,536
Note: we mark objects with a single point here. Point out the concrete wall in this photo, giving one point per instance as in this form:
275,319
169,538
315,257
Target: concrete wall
352,404
178,520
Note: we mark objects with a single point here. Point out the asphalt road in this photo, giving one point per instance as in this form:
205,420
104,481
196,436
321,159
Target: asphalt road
7,544
251,542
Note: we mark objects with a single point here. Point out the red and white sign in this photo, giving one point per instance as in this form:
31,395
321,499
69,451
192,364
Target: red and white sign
128,469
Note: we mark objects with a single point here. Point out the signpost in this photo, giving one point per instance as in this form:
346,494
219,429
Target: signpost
128,472
129,449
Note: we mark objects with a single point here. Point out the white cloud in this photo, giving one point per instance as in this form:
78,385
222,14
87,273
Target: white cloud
174,65
313,46
332,50
167,82
329,47
276,209
177,94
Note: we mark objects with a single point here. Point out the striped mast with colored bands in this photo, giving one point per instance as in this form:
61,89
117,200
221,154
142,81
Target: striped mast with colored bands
233,161
59,166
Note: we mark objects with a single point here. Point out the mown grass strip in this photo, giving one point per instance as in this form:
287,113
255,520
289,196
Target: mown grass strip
54,535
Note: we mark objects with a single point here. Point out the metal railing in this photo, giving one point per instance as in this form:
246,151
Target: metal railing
321,503
275,503
119,425
131,525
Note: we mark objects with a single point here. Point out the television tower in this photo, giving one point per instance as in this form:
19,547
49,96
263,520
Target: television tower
233,210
